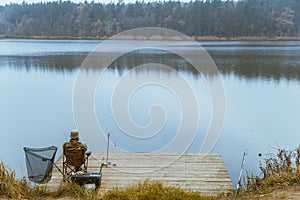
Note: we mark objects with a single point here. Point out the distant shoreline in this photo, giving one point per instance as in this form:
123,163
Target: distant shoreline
199,38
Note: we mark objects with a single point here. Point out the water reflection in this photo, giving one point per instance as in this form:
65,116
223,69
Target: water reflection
55,63
259,66
250,60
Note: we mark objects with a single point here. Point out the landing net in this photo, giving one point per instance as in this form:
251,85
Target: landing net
39,163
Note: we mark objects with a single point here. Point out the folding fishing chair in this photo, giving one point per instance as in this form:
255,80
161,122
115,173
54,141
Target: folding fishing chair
75,168
74,161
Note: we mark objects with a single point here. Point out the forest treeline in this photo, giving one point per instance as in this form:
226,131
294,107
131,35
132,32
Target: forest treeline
219,18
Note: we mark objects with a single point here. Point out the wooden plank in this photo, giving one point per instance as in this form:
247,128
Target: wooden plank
201,173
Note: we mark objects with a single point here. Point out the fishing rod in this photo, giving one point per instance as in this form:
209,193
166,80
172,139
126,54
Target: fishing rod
240,176
108,135
245,154
107,149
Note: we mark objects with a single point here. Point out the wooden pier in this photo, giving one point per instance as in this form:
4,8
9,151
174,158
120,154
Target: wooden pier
193,172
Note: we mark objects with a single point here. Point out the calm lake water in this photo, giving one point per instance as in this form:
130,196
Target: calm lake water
261,82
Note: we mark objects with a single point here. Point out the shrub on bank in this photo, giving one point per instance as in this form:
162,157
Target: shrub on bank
279,169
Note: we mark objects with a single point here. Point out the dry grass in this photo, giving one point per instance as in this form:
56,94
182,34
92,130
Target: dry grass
153,191
12,188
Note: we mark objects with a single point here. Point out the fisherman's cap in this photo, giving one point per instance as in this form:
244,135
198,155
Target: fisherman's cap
74,134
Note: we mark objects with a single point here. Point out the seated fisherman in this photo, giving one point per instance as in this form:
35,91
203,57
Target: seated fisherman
75,144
